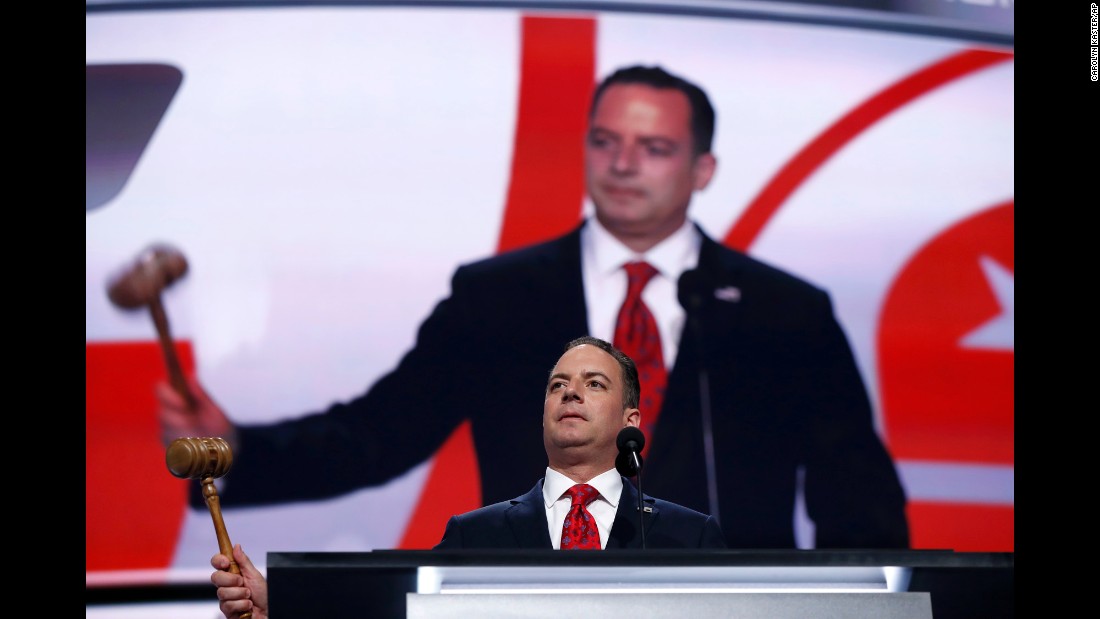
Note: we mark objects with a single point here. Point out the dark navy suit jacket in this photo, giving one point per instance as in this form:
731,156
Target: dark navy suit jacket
521,523
787,404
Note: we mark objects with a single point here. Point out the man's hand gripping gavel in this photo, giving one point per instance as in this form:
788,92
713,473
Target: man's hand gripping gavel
206,459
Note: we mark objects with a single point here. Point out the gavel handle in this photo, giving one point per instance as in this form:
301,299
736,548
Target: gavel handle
175,370
210,493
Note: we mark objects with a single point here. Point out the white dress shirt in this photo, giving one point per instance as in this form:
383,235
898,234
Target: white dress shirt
602,259
603,508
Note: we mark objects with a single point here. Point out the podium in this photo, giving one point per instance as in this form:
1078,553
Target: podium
700,584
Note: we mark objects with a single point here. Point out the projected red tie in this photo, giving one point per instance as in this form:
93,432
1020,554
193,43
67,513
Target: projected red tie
636,335
579,531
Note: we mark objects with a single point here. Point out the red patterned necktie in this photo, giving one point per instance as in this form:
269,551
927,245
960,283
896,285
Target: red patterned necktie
579,531
636,335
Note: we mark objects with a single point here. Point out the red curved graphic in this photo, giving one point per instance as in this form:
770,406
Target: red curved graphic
761,210
943,399
946,366
557,77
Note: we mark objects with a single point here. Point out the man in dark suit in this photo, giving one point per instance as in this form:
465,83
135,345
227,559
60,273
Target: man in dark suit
591,396
764,404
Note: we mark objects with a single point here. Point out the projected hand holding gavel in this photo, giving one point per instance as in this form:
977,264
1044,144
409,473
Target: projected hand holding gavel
139,286
206,459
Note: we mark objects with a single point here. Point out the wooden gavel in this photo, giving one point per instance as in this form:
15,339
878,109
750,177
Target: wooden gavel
206,459
140,285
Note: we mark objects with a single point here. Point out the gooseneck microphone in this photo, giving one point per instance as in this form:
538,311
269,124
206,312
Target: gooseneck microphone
630,442
629,463
692,293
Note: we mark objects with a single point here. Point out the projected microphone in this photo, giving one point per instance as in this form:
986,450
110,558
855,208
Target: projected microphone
692,293
629,463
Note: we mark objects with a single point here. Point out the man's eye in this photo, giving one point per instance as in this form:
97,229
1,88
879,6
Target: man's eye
595,384
659,151
599,141
556,386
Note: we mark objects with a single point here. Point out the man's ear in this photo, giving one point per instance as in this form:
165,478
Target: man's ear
632,417
704,168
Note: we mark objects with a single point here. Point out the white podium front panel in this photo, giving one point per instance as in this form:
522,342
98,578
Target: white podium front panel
468,579
870,605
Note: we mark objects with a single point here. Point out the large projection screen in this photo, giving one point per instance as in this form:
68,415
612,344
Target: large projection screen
324,168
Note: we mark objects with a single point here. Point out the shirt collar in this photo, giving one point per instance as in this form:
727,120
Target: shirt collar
609,484
671,257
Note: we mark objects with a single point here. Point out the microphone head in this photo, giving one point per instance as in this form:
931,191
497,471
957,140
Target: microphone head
630,439
691,288
625,463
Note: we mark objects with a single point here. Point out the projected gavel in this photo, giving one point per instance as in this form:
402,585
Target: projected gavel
140,285
206,459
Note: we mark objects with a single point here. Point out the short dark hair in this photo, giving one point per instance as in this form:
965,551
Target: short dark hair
631,386
702,113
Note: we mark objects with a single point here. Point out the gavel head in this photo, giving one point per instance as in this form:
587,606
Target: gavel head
199,458
141,283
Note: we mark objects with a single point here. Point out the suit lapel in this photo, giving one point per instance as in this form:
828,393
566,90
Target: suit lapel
624,531
713,339
715,286
527,520
561,264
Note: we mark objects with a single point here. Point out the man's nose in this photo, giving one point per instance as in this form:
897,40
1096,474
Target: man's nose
571,392
625,160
